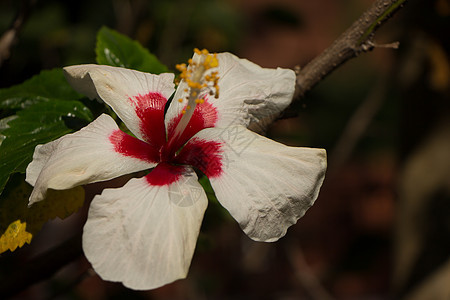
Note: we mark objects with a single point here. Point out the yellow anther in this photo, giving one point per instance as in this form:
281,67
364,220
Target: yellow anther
211,61
199,100
180,100
194,85
183,112
180,67
188,107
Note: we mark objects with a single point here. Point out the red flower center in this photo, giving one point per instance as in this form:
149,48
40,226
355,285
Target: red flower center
175,150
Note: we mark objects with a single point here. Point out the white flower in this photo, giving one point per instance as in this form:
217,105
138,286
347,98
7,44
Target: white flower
144,233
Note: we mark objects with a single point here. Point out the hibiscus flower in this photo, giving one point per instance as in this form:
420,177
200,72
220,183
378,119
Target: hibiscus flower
144,233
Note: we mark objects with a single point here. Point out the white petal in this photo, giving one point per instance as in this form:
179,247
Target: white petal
119,87
144,236
250,95
82,157
266,186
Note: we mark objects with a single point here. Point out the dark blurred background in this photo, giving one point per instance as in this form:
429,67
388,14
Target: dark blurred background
380,228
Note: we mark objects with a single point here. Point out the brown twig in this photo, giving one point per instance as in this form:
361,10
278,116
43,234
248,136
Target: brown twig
9,37
357,126
305,275
355,40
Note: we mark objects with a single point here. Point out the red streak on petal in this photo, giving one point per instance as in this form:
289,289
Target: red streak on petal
205,116
150,110
204,155
165,174
131,146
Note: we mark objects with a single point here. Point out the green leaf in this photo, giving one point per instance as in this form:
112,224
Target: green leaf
45,86
37,124
115,49
19,223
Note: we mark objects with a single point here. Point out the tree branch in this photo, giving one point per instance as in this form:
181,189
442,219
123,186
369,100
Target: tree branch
355,40
9,37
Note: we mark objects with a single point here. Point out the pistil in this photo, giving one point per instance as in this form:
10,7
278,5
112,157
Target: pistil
197,79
